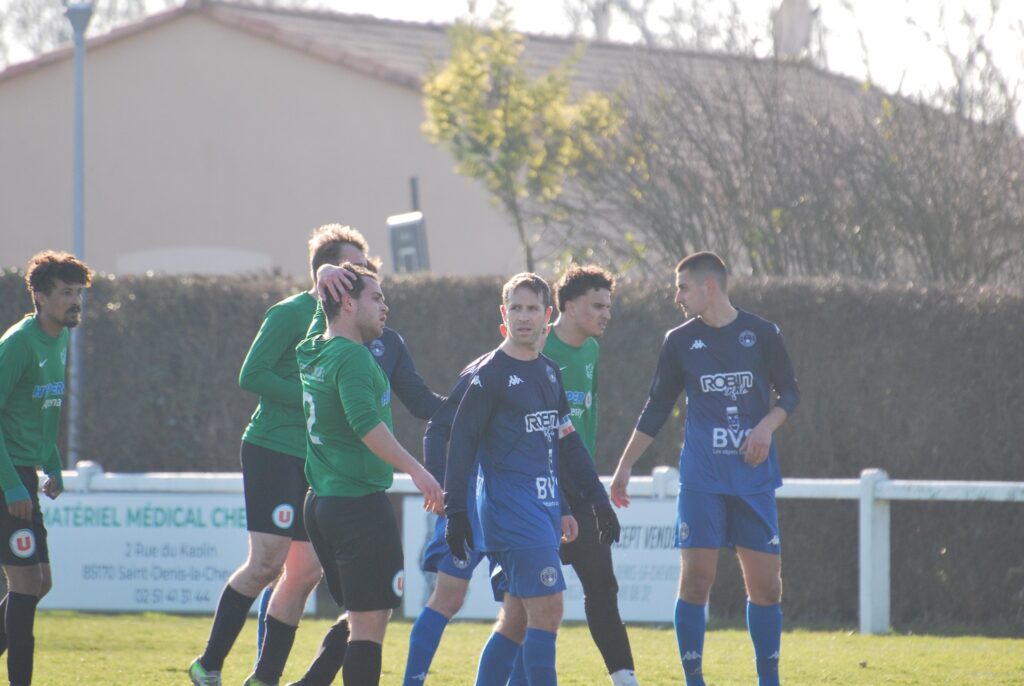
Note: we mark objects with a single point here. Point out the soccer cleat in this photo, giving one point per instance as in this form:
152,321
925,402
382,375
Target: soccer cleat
200,677
253,681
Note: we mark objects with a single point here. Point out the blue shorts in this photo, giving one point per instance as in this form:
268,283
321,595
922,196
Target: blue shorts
438,558
527,573
713,520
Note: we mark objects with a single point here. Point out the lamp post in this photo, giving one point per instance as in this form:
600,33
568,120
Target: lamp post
79,14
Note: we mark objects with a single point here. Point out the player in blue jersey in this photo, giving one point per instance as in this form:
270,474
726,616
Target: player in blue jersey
453,574
515,420
729,362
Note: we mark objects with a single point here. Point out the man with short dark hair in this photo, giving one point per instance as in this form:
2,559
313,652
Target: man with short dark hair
350,461
33,355
730,363
273,453
514,419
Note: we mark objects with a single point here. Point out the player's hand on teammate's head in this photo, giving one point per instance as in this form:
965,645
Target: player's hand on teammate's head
333,281
608,528
570,529
458,534
620,482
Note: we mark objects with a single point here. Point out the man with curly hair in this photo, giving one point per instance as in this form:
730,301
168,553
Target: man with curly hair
33,355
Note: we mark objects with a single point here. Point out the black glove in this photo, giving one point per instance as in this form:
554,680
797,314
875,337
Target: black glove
608,528
458,534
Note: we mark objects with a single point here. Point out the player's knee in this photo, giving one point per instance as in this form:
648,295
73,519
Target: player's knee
511,625
263,570
306,578
767,591
695,587
447,602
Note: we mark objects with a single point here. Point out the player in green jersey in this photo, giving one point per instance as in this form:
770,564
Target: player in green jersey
273,455
584,299
350,461
33,354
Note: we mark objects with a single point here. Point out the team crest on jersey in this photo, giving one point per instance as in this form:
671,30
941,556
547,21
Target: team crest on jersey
23,543
747,338
549,576
64,356
377,347
551,375
684,531
283,516
398,583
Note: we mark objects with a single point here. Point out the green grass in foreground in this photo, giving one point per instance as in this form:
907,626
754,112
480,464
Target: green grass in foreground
155,649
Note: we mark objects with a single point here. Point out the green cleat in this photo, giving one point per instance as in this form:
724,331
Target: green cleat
253,681
200,677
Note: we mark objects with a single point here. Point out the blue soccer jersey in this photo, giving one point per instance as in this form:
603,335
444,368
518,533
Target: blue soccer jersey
729,374
514,418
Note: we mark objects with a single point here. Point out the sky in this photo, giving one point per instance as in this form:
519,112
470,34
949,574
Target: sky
900,57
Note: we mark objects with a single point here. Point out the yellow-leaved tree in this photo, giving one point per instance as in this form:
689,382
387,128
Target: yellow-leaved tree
521,136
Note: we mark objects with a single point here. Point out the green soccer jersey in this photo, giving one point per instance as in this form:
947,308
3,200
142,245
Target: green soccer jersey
270,370
345,395
31,394
579,378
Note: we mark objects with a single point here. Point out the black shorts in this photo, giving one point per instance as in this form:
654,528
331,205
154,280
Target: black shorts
591,559
275,485
360,549
24,542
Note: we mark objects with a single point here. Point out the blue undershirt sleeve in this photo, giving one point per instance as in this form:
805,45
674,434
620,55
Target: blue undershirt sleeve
781,374
410,387
470,422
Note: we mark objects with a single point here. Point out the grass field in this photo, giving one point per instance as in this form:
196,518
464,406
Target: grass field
155,649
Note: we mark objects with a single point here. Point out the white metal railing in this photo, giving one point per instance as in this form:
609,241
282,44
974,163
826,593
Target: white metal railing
874,489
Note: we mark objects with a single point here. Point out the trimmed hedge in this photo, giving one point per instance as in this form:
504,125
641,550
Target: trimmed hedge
927,383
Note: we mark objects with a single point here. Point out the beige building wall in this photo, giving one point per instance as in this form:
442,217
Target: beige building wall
209,149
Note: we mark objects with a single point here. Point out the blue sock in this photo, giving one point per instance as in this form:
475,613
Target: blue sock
765,627
496,661
261,620
539,657
423,642
518,677
690,623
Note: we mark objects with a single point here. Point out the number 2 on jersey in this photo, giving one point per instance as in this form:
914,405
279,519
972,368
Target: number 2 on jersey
307,401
